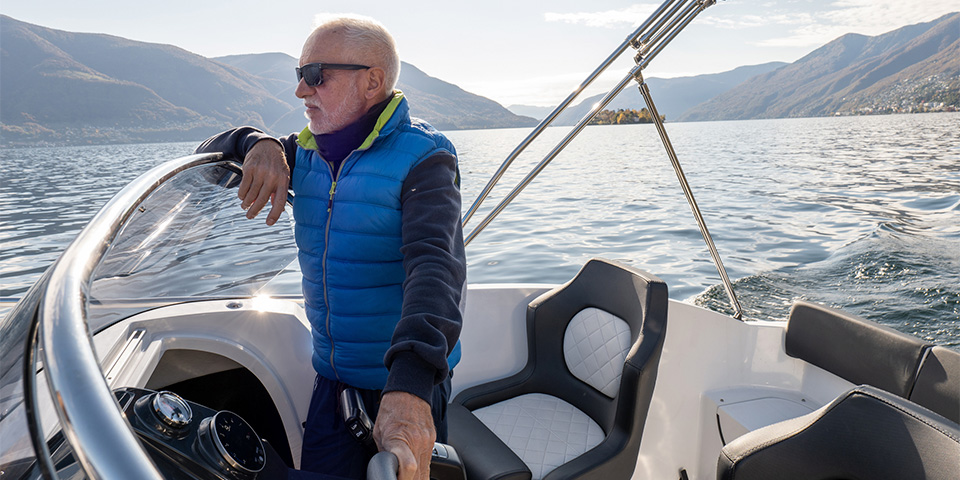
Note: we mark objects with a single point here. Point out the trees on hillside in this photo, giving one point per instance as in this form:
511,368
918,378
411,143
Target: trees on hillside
623,117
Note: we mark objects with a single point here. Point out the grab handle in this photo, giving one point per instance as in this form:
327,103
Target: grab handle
383,466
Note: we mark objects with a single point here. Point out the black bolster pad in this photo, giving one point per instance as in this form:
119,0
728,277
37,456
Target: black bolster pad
484,456
938,383
858,350
866,433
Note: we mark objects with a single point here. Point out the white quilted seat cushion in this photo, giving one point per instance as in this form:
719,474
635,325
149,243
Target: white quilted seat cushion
544,431
595,346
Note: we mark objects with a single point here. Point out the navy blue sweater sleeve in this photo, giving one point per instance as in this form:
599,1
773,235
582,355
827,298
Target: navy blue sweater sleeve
235,144
436,269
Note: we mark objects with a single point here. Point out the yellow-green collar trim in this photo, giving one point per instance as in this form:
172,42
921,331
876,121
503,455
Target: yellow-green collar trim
382,120
305,138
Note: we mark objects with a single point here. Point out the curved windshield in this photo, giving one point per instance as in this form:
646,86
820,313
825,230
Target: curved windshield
190,240
187,240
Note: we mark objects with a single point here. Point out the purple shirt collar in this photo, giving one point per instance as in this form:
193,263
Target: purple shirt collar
335,146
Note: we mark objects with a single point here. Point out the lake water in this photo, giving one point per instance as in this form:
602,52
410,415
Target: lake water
861,213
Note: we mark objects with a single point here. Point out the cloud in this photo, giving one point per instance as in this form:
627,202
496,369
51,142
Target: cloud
737,22
819,21
546,90
632,15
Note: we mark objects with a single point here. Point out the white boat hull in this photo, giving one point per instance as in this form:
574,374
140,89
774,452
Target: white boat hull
711,364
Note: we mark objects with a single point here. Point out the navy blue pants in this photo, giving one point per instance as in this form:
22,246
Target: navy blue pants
328,447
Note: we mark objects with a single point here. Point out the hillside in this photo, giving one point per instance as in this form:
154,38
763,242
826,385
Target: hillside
898,71
672,96
67,87
59,87
444,105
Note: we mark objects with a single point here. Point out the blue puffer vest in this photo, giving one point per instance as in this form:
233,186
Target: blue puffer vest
349,239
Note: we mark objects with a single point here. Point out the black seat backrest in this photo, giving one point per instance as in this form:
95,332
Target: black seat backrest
938,383
858,350
864,434
636,297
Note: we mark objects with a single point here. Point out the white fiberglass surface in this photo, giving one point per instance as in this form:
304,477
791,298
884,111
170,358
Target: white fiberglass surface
704,353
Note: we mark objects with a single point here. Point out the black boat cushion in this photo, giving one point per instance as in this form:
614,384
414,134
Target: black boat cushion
858,350
488,458
864,434
938,383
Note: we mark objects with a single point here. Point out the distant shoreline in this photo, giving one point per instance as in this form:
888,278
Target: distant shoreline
4,143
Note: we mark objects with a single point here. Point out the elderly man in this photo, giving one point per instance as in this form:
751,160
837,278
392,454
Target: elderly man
380,245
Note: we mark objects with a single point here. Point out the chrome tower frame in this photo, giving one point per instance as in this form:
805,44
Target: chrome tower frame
648,40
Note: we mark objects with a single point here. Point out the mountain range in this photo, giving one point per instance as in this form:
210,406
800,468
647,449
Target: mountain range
671,96
72,88
893,72
444,105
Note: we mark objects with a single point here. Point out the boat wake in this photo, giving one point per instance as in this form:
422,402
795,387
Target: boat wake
898,276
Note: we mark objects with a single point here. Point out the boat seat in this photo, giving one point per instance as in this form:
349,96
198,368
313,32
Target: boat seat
579,404
858,350
938,383
866,433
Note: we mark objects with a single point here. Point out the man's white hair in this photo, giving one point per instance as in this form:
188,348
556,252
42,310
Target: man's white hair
365,38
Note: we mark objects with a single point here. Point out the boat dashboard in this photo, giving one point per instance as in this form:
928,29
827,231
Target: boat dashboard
188,440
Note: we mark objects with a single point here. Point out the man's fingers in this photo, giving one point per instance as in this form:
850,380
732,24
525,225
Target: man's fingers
255,185
404,426
407,460
265,178
424,471
262,198
245,182
277,201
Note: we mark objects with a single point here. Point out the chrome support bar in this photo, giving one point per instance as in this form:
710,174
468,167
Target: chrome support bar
667,35
553,153
649,40
653,35
630,41
642,44
687,192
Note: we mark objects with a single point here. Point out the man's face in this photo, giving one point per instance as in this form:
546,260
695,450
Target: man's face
339,100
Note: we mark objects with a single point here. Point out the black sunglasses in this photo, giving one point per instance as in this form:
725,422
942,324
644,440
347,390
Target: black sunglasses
312,73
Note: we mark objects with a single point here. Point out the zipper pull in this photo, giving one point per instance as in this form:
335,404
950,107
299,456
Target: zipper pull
333,189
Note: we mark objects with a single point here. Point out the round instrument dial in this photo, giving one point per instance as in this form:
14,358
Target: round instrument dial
235,442
171,409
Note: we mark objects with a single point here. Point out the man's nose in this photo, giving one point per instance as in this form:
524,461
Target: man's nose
303,90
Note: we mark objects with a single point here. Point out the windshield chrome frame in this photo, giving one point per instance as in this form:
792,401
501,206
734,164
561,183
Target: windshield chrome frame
91,421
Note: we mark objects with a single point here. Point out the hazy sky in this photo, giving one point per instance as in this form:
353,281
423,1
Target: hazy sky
531,52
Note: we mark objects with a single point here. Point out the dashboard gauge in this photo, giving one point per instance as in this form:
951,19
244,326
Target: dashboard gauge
171,409
233,442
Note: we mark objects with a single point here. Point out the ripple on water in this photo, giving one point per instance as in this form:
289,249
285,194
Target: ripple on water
853,212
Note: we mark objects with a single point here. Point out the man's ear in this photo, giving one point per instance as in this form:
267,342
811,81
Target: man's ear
375,77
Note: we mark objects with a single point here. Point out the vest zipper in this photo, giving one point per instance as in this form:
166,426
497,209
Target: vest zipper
326,249
326,242
333,189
